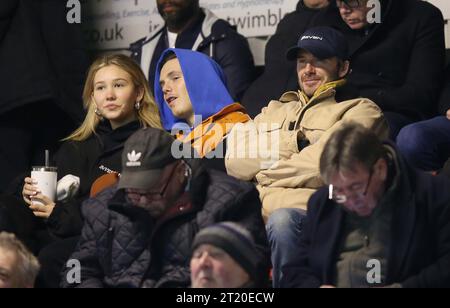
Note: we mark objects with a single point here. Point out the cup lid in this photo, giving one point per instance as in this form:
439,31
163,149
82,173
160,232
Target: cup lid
44,168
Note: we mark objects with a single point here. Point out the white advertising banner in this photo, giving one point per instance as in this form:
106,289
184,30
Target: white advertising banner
114,24
252,17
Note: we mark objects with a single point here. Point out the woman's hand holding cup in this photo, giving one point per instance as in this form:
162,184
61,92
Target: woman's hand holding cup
31,193
29,190
39,191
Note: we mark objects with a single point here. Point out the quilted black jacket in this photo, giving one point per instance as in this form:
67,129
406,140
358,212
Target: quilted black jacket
122,247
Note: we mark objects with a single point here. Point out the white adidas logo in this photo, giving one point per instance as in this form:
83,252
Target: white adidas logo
133,158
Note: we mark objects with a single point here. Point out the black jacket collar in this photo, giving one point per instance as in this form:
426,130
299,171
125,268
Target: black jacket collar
113,139
187,38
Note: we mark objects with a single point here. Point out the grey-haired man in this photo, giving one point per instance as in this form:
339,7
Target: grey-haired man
380,223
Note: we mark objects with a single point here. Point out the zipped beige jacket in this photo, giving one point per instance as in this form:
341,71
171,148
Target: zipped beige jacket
266,150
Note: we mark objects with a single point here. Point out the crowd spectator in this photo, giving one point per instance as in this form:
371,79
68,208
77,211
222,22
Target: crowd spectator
280,149
188,26
43,62
380,223
18,266
426,144
224,256
140,232
397,51
200,114
279,74
118,102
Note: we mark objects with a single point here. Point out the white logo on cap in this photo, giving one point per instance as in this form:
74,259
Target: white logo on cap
312,37
133,158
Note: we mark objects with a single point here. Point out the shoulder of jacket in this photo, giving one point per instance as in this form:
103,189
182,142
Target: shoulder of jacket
275,105
96,209
138,44
415,10
71,144
278,109
427,7
79,148
222,29
290,18
363,102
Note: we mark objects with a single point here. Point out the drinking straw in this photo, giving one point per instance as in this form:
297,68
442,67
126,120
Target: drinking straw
47,158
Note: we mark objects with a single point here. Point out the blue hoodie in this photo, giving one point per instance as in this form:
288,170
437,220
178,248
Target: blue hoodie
205,83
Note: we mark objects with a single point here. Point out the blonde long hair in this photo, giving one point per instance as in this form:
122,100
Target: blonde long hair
148,114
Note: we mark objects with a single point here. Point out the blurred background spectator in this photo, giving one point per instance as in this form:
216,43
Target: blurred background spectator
43,65
18,267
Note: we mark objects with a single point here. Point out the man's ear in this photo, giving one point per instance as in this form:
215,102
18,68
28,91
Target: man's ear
344,69
381,168
180,170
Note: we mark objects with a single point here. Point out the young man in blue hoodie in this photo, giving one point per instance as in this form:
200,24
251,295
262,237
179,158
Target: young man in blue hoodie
194,102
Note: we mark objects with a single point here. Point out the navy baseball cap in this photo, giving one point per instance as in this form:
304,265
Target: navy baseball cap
322,42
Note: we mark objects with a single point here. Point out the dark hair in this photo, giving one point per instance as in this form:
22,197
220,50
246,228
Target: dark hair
347,1
348,146
167,57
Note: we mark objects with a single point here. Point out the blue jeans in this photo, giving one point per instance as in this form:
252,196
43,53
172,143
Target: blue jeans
284,228
426,145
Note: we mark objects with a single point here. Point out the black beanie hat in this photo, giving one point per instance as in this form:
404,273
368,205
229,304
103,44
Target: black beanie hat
236,241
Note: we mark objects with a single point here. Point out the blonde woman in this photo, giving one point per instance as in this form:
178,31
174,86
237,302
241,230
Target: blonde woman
118,102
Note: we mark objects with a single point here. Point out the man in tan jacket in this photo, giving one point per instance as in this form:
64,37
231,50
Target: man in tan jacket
281,148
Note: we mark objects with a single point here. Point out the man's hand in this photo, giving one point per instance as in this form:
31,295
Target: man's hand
302,142
448,114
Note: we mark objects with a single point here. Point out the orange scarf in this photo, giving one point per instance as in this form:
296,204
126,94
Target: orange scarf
205,137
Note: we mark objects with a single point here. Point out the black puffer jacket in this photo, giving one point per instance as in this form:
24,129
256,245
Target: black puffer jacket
121,246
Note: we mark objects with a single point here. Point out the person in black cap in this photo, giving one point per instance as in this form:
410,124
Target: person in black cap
397,49
279,73
140,233
224,256
298,125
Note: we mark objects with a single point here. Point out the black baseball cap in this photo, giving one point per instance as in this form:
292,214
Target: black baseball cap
323,43
144,157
